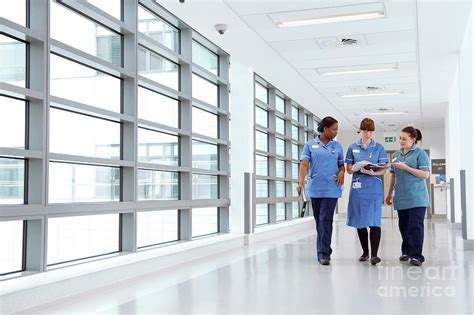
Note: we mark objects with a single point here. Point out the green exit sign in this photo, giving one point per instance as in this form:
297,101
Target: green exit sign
390,139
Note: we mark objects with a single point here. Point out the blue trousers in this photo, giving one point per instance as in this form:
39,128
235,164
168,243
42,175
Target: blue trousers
323,211
410,223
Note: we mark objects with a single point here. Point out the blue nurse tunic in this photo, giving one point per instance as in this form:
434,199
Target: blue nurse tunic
366,194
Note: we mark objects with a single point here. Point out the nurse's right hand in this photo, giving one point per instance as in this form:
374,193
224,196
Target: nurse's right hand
388,200
299,188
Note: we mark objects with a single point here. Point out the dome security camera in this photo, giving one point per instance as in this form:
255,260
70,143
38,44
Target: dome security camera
181,1
221,28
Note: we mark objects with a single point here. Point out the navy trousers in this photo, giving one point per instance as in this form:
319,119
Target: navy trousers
410,223
323,211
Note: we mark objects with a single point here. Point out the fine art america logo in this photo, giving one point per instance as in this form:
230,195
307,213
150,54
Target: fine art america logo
432,281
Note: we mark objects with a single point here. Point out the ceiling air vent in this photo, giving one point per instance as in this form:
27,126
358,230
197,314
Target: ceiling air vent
349,42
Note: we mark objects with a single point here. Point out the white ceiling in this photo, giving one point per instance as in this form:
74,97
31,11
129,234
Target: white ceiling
429,31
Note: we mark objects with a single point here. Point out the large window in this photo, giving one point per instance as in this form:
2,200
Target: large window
12,181
205,155
261,93
205,58
157,68
101,138
205,186
83,183
82,84
280,125
261,214
157,147
12,123
158,108
157,185
79,237
79,32
280,168
261,117
157,29
280,147
13,57
262,188
280,189
205,221
11,246
276,170
280,104
261,142
205,123
280,211
261,165
114,127
14,11
157,227
205,91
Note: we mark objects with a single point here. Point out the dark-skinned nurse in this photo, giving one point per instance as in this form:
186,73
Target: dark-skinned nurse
322,165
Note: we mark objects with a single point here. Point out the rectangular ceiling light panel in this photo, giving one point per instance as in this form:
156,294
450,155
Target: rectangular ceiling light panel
346,70
347,13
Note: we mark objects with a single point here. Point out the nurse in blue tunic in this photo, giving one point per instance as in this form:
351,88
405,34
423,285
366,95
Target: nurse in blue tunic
366,194
322,165
410,170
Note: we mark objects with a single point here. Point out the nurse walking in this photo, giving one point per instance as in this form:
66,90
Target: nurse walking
366,195
322,163
410,169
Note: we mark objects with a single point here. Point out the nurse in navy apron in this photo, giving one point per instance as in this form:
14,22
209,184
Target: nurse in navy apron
366,194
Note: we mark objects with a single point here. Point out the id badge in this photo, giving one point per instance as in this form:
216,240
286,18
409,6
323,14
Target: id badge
356,185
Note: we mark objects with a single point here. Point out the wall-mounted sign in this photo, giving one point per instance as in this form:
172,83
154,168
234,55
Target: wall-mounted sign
438,166
390,139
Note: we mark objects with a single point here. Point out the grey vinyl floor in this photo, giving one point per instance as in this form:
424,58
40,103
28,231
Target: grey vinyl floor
282,276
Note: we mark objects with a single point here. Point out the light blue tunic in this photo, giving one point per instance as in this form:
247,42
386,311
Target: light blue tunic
365,203
324,162
410,191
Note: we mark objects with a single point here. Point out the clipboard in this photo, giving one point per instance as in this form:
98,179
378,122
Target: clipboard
305,201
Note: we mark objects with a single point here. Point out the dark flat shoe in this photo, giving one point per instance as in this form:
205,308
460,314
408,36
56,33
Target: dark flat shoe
403,258
375,260
324,261
364,257
415,262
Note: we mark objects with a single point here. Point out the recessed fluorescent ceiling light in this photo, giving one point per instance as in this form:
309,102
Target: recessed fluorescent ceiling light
372,94
357,69
344,13
382,113
333,19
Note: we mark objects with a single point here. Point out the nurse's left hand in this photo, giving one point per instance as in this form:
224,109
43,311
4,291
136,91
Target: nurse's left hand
340,179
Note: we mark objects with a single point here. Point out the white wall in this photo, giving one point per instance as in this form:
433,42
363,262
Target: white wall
460,131
453,158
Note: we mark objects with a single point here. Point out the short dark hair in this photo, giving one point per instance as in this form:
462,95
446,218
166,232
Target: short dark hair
326,123
413,132
367,124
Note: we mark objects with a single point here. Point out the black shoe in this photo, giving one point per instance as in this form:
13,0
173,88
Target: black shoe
415,262
375,260
403,258
364,257
324,261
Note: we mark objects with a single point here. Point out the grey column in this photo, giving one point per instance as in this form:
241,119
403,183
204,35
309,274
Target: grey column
452,200
463,204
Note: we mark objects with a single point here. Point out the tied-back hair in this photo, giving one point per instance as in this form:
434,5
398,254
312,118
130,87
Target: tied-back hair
326,123
367,124
413,133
